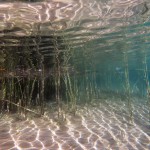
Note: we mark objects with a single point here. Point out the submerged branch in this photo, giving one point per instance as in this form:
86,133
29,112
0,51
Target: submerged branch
27,109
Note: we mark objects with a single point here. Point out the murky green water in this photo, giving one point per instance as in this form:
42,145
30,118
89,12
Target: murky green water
74,74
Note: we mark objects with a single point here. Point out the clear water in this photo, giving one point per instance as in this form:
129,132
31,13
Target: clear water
74,74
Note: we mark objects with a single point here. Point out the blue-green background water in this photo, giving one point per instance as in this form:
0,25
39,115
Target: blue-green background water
106,57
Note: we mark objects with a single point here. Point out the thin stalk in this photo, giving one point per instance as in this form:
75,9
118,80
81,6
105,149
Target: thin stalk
31,93
42,92
127,87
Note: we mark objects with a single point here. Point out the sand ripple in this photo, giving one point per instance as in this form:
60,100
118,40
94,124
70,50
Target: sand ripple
103,127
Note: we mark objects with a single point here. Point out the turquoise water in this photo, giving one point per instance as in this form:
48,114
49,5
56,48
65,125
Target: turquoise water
74,75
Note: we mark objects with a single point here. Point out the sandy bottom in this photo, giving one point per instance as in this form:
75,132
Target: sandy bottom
105,126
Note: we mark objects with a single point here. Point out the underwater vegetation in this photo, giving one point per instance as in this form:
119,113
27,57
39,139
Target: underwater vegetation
50,61
29,80
36,81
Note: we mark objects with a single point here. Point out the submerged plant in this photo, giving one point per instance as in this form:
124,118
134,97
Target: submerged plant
146,76
70,90
127,88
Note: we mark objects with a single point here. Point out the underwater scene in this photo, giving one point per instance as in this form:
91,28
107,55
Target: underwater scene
74,74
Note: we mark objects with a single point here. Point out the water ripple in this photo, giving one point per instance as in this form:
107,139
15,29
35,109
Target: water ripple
26,15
